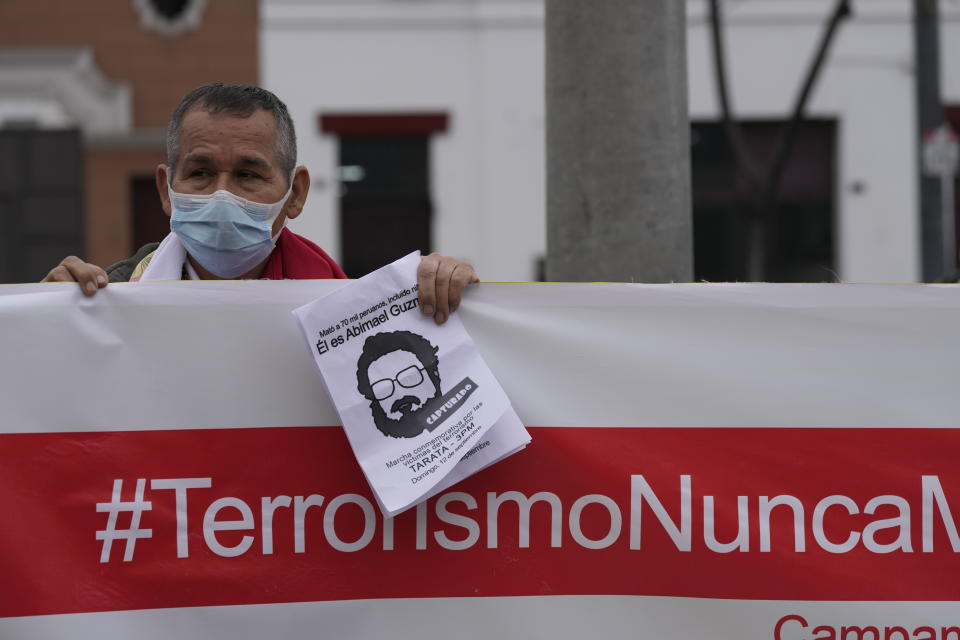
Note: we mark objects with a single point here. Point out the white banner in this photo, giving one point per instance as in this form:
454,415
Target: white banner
769,461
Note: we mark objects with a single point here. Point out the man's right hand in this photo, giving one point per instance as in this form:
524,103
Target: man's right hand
89,276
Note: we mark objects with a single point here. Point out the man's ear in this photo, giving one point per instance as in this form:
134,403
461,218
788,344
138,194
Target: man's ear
298,193
162,177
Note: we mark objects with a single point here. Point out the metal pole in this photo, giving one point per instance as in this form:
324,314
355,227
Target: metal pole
929,117
618,152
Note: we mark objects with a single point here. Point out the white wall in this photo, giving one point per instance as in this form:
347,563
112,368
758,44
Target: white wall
867,84
482,61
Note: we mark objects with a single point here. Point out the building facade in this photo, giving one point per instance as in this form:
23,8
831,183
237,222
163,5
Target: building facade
422,124
849,199
86,90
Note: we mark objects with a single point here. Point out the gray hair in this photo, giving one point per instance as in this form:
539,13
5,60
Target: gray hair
241,101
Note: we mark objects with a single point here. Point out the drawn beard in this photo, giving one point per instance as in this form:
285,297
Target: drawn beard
407,405
409,424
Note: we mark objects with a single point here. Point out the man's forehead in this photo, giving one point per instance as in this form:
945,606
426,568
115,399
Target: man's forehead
250,159
204,133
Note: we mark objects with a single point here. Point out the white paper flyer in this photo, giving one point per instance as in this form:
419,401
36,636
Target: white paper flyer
415,397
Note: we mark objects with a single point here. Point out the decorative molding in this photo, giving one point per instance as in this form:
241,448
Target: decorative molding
70,78
384,124
529,14
188,18
393,14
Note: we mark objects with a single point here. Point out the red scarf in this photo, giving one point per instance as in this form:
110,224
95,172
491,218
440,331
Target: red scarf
296,258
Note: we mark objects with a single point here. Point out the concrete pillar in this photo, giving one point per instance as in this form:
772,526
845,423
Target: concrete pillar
618,154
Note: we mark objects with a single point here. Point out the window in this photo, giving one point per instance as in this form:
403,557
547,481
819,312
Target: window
799,238
384,183
41,201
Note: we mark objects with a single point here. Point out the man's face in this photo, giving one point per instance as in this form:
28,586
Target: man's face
400,374
223,151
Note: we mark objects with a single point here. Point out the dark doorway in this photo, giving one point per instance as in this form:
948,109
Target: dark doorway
150,223
384,182
385,204
800,243
41,201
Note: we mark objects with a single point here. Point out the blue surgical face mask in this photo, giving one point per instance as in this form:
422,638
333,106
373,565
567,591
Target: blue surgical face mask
228,235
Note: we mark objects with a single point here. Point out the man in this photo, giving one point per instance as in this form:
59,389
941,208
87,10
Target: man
398,372
229,186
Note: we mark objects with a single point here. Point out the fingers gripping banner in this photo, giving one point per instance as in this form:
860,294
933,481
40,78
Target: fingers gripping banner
769,461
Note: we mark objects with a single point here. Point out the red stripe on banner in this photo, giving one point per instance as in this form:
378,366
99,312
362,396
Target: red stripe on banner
284,514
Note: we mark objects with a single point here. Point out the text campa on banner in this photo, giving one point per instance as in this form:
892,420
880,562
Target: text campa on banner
420,407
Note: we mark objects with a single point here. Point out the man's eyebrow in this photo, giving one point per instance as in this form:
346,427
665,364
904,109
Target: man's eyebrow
254,161
197,158
247,161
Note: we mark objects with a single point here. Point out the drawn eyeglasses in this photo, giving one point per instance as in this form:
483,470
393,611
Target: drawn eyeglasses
408,378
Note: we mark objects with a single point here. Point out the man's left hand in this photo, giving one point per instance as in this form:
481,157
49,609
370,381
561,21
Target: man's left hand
441,281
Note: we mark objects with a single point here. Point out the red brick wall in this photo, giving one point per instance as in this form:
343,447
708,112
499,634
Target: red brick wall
108,199
159,69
